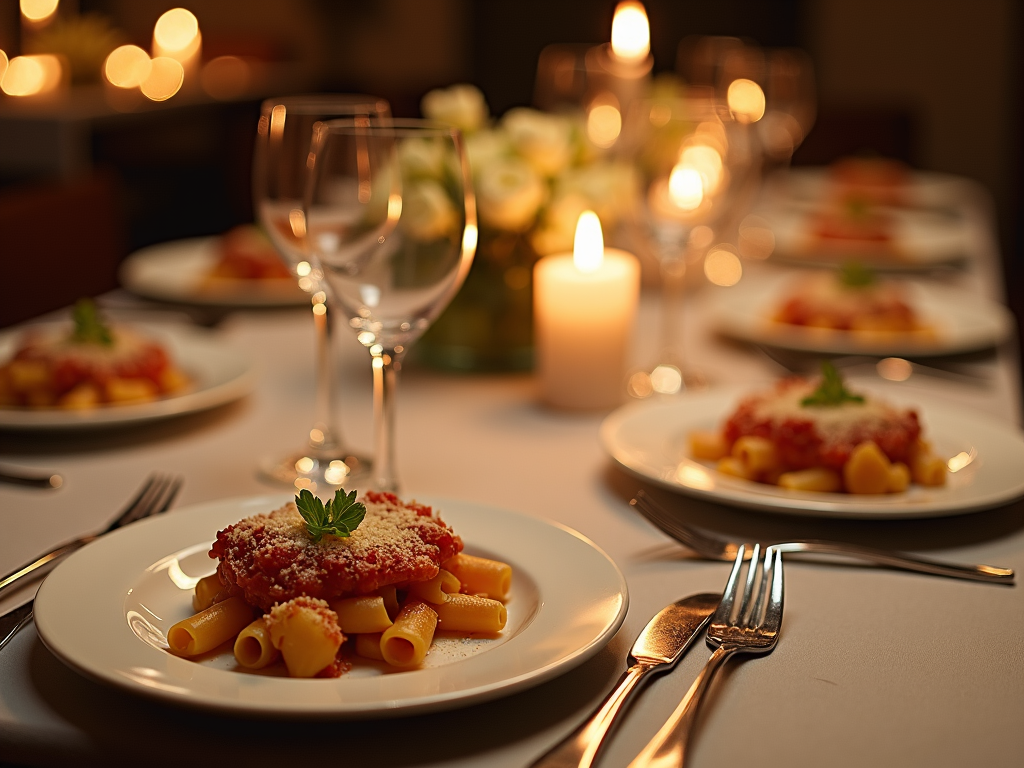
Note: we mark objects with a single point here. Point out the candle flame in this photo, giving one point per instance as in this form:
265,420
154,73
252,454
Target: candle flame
588,244
746,100
685,187
631,32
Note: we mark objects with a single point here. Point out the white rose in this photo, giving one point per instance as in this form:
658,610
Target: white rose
544,141
422,157
427,212
509,194
485,148
463,106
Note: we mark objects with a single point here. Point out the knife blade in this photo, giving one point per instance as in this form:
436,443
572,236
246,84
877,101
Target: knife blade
657,649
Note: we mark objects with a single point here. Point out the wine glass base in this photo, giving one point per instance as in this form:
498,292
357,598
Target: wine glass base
304,471
665,379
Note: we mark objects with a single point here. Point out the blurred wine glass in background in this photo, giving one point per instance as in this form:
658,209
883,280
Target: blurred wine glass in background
280,171
391,218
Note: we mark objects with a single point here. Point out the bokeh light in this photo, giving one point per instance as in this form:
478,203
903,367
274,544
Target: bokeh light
39,10
165,79
127,66
32,75
176,30
722,266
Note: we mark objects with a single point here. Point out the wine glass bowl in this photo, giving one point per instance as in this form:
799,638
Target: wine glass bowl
391,219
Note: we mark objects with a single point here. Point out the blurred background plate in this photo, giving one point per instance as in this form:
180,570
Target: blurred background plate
220,374
177,271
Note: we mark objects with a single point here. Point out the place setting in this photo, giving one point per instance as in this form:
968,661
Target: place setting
638,406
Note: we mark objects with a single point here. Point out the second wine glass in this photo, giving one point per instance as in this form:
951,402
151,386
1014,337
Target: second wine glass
391,219
283,140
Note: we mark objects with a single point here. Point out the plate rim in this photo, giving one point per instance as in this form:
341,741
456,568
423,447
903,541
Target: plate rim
395,708
192,401
797,506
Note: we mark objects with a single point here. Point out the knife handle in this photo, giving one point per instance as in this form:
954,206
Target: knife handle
579,749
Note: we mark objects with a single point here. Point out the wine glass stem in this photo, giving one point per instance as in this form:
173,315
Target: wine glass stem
673,277
324,438
386,366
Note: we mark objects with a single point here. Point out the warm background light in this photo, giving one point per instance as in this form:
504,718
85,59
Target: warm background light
722,266
631,33
707,162
746,100
604,124
164,79
39,10
127,66
176,30
588,243
3,65
685,187
31,75
225,77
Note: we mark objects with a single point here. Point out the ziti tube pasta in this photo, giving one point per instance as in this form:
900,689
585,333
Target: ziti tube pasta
361,615
469,613
479,575
405,644
208,629
368,646
437,589
207,590
253,648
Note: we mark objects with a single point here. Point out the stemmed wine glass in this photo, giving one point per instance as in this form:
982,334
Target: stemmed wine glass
391,219
280,173
683,161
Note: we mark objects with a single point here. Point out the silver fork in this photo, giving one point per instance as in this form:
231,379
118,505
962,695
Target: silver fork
712,548
154,497
755,629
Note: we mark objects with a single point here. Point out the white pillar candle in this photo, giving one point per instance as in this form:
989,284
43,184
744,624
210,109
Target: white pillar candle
584,309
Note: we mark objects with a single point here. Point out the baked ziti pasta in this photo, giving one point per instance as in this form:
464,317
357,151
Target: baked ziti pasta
317,585
817,436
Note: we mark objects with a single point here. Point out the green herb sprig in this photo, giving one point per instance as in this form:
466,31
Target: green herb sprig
89,326
339,517
854,275
830,392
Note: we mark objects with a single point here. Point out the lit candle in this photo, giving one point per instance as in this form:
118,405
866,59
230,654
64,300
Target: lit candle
618,72
176,36
584,308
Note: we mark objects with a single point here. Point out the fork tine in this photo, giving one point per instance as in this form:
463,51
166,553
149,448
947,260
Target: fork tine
149,501
724,612
773,614
765,588
748,588
172,492
125,514
663,519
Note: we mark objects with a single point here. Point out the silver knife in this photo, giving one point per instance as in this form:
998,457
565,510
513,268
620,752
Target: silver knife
658,648
12,621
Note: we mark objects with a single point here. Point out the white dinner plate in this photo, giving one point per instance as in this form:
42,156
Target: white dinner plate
650,440
175,271
106,611
925,189
962,321
219,374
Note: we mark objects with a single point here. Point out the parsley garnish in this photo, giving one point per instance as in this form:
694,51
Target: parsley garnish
339,517
89,328
854,275
831,391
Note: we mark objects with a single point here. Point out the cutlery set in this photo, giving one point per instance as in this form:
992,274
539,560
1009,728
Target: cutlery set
747,618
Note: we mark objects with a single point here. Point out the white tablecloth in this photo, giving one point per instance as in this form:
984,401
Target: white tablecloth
874,667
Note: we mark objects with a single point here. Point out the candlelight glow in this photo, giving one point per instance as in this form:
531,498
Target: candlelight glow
176,30
39,10
165,78
3,64
631,33
746,100
685,187
722,266
127,66
604,123
31,75
707,162
225,77
588,244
